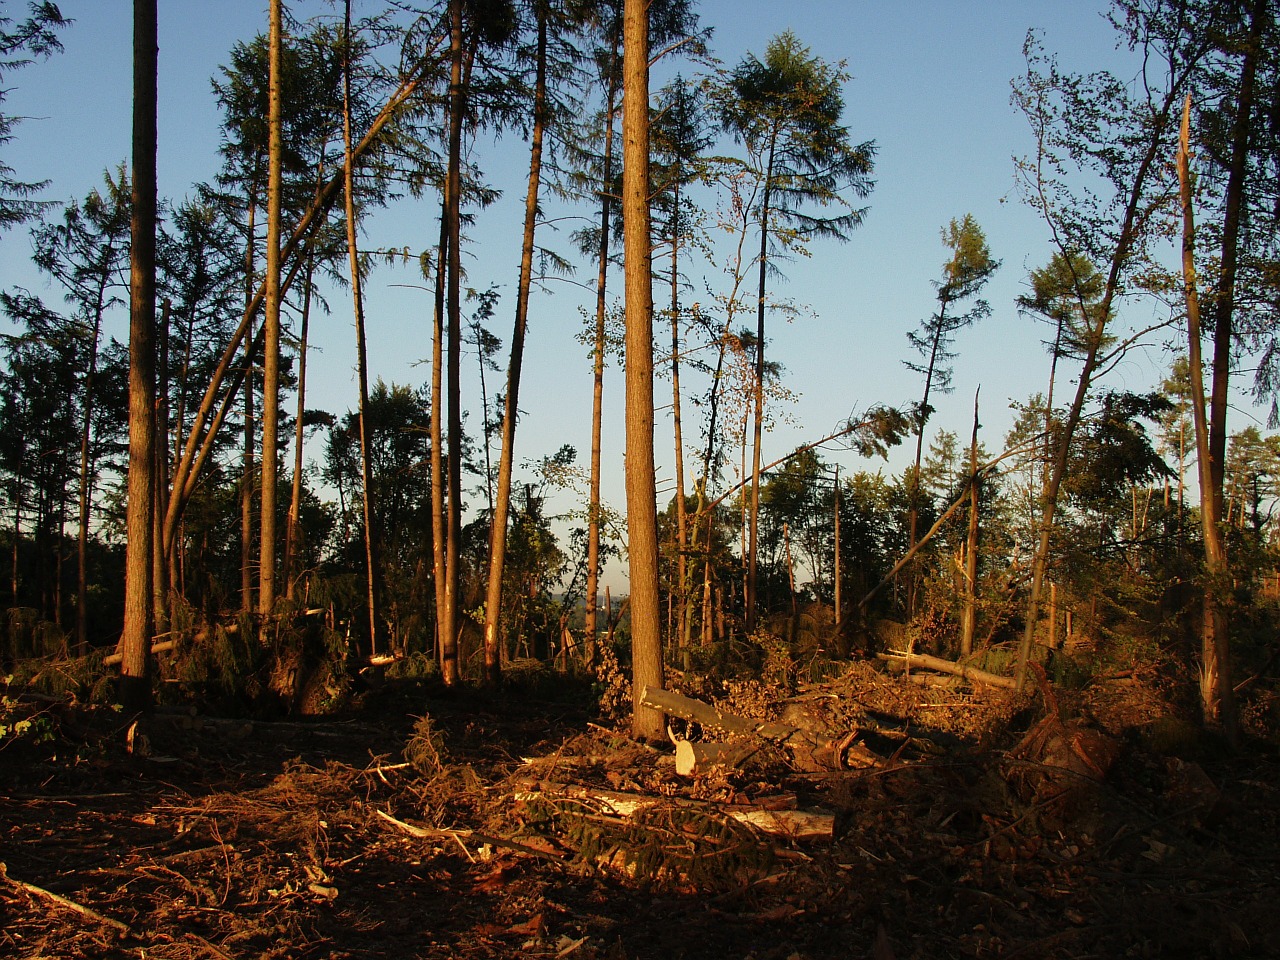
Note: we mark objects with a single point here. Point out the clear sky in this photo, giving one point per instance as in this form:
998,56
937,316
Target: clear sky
930,85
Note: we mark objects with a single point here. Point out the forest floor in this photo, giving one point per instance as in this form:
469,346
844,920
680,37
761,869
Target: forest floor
971,836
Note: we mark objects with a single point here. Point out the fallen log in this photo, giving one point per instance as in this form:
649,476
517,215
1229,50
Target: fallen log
112,659
809,751
794,824
948,666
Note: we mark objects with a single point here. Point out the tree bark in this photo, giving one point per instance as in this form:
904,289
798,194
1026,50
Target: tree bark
135,640
501,507
362,364
590,627
642,498
453,305
969,618
271,326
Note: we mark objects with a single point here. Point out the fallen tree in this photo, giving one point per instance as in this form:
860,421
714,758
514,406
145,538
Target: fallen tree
948,666
809,751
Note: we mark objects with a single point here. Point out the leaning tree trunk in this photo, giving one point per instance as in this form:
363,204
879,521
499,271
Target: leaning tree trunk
498,529
135,640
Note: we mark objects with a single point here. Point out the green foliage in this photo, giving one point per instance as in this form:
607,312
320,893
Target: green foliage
786,110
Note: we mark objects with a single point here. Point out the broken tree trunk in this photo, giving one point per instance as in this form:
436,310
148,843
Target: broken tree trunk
809,751
947,666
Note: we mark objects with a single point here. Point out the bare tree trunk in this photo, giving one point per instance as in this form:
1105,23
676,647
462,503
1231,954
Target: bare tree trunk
842,644
135,640
271,324
211,412
642,498
684,621
86,479
590,627
362,365
159,569
293,528
753,518
453,511
969,618
439,572
248,469
501,507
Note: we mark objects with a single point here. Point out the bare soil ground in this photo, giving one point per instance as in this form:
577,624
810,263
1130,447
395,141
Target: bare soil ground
1110,830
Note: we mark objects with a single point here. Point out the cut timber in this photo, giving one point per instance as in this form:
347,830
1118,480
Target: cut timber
809,752
795,824
947,666
693,758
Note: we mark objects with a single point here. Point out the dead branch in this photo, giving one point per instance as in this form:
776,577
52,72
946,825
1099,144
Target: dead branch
87,912
795,824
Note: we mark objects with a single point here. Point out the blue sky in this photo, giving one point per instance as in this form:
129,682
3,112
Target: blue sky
930,85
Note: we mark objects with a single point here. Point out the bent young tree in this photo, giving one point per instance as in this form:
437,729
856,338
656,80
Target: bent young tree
1095,124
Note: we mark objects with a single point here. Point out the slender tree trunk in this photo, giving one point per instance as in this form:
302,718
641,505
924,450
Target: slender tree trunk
642,498
135,641
753,516
271,324
837,587
439,571
86,481
969,618
209,416
159,569
249,470
293,528
684,624
453,512
498,529
362,365
590,627
1095,327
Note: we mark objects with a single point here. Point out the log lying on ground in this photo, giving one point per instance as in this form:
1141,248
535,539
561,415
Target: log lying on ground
810,752
947,666
795,824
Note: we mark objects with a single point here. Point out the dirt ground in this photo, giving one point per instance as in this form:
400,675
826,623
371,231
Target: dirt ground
1111,829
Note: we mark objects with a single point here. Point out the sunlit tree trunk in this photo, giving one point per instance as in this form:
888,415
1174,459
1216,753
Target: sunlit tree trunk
757,427
684,623
590,627
271,324
135,641
498,529
642,499
453,508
